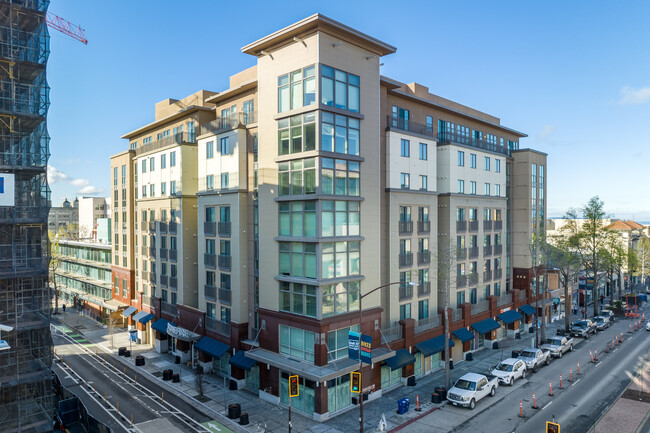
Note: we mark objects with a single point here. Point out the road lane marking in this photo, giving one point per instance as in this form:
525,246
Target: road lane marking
575,382
547,405
597,364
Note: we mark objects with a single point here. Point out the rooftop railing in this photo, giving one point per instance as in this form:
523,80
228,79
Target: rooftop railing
452,137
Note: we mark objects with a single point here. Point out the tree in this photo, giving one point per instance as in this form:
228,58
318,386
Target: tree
199,380
633,264
562,256
55,256
614,259
445,263
538,259
114,321
643,254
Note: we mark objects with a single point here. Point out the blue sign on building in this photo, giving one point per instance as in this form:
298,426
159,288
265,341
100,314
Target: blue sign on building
353,346
366,349
2,185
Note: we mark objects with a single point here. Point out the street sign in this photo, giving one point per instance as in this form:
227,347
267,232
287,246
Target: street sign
355,383
353,345
294,389
552,427
366,349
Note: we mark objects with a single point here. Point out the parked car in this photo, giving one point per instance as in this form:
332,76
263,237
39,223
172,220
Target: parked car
582,328
534,358
558,345
605,312
470,388
508,370
601,323
647,325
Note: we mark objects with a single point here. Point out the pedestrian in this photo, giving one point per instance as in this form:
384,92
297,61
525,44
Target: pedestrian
64,308
584,312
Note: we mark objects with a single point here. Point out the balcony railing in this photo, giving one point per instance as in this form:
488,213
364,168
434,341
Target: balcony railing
391,334
210,228
217,326
152,278
461,253
473,226
504,299
456,315
480,306
487,250
224,262
498,250
405,292
498,273
210,260
461,226
173,282
472,279
162,226
172,227
163,253
229,122
224,229
424,227
424,257
461,281
168,308
405,227
178,138
487,276
424,289
173,255
522,294
498,225
152,252
473,252
487,225
429,323
405,260
452,137
210,292
409,125
164,280
225,295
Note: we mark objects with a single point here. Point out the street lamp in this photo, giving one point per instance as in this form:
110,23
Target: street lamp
361,393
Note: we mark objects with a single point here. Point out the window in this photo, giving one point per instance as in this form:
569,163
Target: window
225,180
487,188
429,124
423,309
114,175
144,165
339,89
460,242
224,248
152,164
297,177
404,246
497,190
209,214
209,181
473,214
405,213
209,150
423,151
249,111
472,187
144,190
297,89
497,165
487,240
487,163
400,118
486,291
297,218
339,134
460,269
491,140
340,259
297,134
297,343
497,289
339,177
172,187
423,182
461,158
163,161
210,247
298,298
152,190
472,160
298,259
224,146
405,180
460,214
461,186
473,296
340,298
224,214
172,159
460,298
541,176
163,188
225,313
337,342
423,245
423,214
338,218
405,149
405,311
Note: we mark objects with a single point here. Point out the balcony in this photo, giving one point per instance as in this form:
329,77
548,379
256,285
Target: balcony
473,252
172,255
461,254
229,122
480,306
225,295
487,225
504,299
409,125
168,308
457,315
405,260
424,257
162,227
179,138
487,250
224,262
473,226
210,228
152,278
498,225
216,325
391,334
210,292
152,252
210,260
461,281
224,229
405,227
498,273
461,226
473,279
452,137
172,227
487,276
424,289
424,227
164,279
498,250
163,253
430,322
173,282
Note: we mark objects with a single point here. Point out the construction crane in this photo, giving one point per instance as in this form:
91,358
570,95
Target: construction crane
65,27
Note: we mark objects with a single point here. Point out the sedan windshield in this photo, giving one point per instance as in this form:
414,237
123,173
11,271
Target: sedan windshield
504,367
465,384
528,354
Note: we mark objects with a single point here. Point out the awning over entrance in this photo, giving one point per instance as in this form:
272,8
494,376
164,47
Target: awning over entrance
485,326
527,310
401,359
433,345
182,333
510,316
130,310
211,346
143,317
160,325
240,360
463,334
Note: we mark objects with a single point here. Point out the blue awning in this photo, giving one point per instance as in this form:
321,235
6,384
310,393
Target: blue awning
485,326
527,310
510,316
240,360
128,311
211,346
160,325
433,345
402,358
143,317
463,334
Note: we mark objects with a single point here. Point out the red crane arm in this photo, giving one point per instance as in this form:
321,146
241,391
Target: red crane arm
72,30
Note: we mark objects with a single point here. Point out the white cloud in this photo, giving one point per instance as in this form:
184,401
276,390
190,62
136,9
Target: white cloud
79,182
631,96
54,175
89,190
546,132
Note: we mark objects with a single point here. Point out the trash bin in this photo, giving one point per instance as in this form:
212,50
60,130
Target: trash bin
176,378
495,345
177,360
441,391
121,351
451,364
243,419
410,381
139,361
403,406
435,398
517,336
167,374
127,353
469,356
234,411
232,385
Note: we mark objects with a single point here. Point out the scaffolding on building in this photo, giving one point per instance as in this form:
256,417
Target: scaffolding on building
26,400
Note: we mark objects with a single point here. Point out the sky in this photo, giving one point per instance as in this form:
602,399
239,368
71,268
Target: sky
574,76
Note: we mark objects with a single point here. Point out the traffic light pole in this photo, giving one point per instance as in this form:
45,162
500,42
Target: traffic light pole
290,413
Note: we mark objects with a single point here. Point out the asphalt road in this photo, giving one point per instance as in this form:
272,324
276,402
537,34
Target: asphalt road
113,386
576,407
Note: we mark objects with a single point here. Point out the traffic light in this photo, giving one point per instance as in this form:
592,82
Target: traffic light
293,386
552,427
355,383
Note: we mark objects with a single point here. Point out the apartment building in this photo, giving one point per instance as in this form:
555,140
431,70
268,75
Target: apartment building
64,217
321,186
90,210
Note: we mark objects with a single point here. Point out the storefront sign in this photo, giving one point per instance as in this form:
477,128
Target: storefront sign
353,345
366,349
181,333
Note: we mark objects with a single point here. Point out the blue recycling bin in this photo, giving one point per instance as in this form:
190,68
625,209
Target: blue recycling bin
403,405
